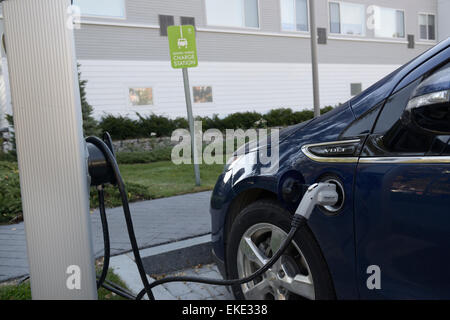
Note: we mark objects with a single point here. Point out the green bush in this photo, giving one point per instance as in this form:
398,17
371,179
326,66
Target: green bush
241,120
213,122
10,201
153,124
279,117
120,128
90,125
326,109
8,156
181,123
301,116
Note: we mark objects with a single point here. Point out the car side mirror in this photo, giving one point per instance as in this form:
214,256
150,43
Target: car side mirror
429,112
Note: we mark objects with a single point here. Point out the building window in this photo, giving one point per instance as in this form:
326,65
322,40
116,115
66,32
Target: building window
187,21
294,15
355,88
140,96
102,8
347,18
427,25
164,22
233,13
389,23
202,94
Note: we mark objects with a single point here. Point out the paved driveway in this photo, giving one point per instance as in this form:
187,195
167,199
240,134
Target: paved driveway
155,222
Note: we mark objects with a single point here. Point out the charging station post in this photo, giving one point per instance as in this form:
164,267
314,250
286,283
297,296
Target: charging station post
183,55
52,154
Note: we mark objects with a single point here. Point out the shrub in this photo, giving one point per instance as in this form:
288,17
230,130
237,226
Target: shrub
120,128
90,125
241,120
301,116
180,123
12,135
326,109
213,122
159,125
279,117
8,156
10,201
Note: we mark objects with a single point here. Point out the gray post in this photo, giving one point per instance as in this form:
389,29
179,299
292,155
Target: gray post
187,94
51,150
314,64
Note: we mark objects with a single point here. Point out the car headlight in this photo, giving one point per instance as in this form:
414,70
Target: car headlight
231,161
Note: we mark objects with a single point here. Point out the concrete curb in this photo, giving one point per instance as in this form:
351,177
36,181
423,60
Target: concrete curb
163,259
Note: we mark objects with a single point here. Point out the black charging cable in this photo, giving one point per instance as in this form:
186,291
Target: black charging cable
126,210
107,150
297,221
107,250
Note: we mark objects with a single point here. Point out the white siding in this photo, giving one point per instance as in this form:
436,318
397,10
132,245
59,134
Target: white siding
236,86
443,22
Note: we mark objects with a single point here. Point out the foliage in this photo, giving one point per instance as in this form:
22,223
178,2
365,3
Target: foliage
155,125
10,201
90,125
122,128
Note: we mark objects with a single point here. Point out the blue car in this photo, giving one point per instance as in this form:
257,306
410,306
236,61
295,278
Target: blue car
387,150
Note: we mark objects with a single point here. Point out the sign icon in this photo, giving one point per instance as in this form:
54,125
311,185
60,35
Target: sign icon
183,50
182,43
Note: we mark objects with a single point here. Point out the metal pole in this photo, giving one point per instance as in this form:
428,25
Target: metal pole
187,94
314,64
51,150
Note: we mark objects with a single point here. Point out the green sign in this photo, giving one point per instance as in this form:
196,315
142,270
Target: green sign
183,51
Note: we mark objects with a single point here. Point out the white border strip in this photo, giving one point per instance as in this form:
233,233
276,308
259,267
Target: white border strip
255,33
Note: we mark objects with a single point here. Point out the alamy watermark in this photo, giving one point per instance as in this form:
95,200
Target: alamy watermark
73,281
254,147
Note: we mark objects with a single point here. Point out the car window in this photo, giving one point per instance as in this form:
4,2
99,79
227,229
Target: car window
395,138
363,124
393,108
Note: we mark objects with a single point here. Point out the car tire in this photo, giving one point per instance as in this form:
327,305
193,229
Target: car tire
302,259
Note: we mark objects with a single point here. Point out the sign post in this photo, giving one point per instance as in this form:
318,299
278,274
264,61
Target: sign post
183,55
314,63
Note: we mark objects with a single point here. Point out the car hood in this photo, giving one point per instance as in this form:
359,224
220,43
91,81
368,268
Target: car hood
283,134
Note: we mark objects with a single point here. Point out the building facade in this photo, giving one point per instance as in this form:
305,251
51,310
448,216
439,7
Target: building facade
254,55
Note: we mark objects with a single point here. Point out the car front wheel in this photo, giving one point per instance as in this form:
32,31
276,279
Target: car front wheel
300,273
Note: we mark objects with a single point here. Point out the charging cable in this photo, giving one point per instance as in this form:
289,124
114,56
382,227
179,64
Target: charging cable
323,194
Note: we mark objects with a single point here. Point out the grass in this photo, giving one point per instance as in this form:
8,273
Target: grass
165,179
23,292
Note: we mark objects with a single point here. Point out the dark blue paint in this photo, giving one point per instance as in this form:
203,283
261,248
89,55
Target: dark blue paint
367,187
402,225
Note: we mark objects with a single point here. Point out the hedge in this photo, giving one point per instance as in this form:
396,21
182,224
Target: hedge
122,128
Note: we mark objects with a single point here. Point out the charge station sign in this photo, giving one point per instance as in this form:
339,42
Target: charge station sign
183,50
183,55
